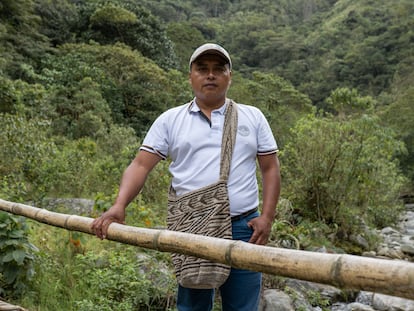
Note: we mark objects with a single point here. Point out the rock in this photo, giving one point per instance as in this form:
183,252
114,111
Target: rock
76,206
365,297
408,249
383,251
389,231
355,306
369,254
275,300
331,293
407,239
360,241
389,303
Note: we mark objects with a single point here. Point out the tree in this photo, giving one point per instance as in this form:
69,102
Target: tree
281,103
398,114
59,20
347,103
25,147
81,111
186,38
133,86
129,23
240,41
8,96
25,99
169,10
20,41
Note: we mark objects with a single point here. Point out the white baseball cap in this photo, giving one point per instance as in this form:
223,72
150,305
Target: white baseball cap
210,48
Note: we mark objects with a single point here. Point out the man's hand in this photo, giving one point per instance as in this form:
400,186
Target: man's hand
261,230
101,224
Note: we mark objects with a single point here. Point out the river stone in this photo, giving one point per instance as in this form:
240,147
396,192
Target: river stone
275,300
407,249
389,231
383,302
360,241
326,291
77,206
356,306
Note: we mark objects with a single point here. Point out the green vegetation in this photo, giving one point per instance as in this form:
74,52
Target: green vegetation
16,259
81,82
77,272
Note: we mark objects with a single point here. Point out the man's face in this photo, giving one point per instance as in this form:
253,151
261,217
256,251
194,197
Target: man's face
210,78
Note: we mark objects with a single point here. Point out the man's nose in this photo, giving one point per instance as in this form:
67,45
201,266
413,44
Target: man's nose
210,74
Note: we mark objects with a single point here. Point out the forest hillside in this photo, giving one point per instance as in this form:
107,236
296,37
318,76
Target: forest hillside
82,81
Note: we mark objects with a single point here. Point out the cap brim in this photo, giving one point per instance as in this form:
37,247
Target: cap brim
210,48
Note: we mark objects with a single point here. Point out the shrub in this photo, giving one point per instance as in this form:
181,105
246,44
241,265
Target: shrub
343,173
98,275
117,281
16,255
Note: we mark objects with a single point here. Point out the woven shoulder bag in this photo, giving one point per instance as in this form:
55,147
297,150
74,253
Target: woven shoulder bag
205,211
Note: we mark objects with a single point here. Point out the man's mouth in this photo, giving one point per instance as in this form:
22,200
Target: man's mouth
210,85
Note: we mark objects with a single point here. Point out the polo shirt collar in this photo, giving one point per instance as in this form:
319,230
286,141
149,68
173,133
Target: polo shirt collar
193,107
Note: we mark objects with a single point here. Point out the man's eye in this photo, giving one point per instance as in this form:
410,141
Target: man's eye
202,69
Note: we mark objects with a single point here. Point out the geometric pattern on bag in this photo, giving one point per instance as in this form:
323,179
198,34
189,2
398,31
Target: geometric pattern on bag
207,215
205,211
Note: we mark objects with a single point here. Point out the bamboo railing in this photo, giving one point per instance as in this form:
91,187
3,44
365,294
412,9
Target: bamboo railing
392,277
4,306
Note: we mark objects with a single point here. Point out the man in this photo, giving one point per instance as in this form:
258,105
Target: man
191,136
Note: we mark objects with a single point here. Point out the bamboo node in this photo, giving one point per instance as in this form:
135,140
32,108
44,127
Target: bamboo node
336,272
155,241
228,253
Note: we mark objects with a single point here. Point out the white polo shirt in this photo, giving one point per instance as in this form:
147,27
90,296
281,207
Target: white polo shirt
186,136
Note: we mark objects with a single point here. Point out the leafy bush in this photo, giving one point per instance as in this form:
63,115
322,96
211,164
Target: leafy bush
117,281
112,279
98,275
292,231
24,147
16,255
337,170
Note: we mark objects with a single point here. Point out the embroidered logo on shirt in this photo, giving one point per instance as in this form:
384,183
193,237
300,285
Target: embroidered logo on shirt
243,130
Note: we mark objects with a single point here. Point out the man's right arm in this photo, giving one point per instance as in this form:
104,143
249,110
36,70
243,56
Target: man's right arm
132,182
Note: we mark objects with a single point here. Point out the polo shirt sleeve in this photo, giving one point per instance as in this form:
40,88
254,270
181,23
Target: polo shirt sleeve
156,140
266,141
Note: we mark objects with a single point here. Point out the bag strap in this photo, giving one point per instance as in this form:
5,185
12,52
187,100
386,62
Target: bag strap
227,143
228,139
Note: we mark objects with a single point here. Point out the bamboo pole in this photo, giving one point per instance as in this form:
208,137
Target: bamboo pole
4,306
392,277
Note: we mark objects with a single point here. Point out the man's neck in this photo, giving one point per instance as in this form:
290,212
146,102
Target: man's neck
208,106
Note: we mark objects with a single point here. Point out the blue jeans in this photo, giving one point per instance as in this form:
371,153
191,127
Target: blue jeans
240,292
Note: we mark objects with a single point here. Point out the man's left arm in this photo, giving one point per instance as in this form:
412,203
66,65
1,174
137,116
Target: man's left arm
262,225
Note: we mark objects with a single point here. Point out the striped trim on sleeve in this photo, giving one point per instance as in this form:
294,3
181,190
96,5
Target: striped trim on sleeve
268,152
152,150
